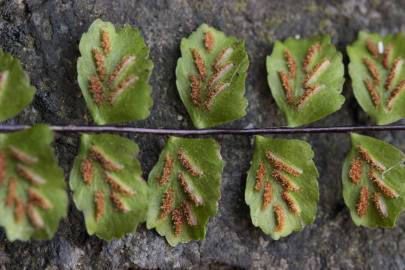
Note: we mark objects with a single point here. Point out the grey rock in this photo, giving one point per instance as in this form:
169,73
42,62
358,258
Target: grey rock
45,35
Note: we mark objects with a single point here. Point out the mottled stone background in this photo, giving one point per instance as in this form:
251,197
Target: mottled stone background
45,36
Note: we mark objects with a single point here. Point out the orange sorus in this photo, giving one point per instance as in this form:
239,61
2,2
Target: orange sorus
261,171
393,71
105,42
309,92
291,64
37,199
373,92
197,200
183,158
167,170
222,58
34,217
19,210
312,76
220,73
209,41
29,175
267,195
213,92
199,63
287,87
355,170
312,50
108,164
121,66
362,204
386,57
167,203
86,170
22,156
365,155
96,90
284,181
279,164
195,95
99,201
372,68
124,85
292,205
118,203
280,217
117,186
177,218
99,58
191,219
379,205
11,193
395,93
380,185
372,48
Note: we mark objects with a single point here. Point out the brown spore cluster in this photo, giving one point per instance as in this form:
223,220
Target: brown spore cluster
310,84
109,87
375,63
381,189
209,82
281,173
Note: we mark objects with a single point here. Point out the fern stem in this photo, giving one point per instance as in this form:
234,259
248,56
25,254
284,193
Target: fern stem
187,132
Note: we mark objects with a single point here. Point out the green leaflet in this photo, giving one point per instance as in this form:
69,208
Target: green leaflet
32,187
373,177
211,77
184,189
16,92
113,73
107,185
282,187
306,78
378,75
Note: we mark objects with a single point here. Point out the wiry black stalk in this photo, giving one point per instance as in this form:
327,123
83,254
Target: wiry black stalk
187,132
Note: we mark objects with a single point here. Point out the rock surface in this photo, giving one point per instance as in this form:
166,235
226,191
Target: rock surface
45,36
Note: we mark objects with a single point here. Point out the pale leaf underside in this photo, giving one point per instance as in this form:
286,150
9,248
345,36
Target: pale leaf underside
276,186
377,81
15,90
107,185
301,73
185,188
34,198
370,191
212,88
311,69
378,73
114,69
